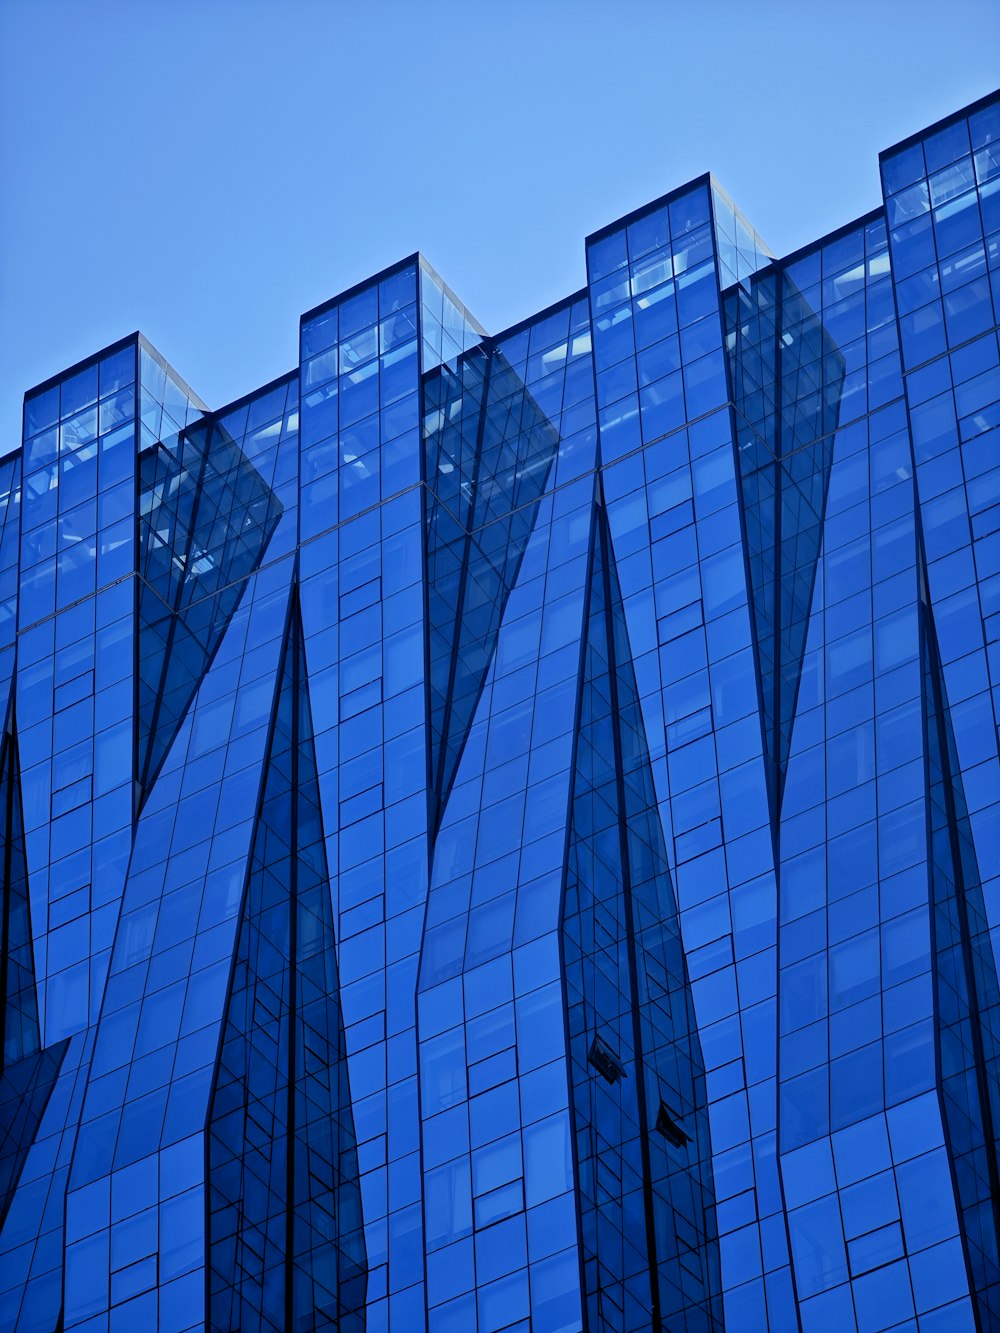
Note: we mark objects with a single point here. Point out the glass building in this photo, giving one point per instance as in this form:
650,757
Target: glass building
503,832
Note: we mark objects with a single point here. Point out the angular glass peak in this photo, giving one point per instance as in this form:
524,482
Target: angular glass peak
741,250
447,328
166,404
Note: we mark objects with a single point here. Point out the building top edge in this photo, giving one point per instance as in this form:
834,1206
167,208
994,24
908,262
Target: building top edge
278,382
980,104
539,315
706,178
136,338
803,251
52,380
331,301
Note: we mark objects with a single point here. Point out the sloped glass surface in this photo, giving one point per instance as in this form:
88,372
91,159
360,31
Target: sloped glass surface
488,449
205,518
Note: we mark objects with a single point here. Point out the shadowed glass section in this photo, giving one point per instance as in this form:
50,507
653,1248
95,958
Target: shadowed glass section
488,447
647,1203
787,375
27,1073
285,1229
447,328
17,971
205,518
25,1088
967,996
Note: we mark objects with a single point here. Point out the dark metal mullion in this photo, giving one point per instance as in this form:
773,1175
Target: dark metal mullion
136,585
779,477
292,647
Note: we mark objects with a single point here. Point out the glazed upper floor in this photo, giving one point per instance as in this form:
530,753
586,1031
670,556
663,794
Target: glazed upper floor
936,227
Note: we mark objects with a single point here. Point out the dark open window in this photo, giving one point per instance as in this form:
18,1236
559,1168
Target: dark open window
670,1127
606,1062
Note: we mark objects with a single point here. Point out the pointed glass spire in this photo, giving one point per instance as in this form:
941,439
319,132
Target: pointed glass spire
285,1229
638,1076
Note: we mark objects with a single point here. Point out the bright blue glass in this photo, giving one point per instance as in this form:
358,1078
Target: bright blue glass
502,832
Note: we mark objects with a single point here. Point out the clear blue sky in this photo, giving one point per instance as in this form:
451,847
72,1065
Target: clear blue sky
205,170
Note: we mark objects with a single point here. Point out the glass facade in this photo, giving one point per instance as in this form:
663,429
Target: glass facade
503,832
